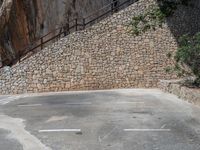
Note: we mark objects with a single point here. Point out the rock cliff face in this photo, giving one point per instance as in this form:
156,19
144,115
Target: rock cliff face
31,19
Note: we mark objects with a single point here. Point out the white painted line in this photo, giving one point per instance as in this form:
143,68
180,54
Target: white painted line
61,130
130,102
31,105
86,103
147,130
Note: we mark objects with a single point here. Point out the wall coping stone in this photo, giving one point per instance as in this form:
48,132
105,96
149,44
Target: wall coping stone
191,95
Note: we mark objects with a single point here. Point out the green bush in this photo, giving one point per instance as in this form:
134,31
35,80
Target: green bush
188,57
155,17
144,22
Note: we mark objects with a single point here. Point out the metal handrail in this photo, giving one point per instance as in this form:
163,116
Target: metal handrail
94,13
65,32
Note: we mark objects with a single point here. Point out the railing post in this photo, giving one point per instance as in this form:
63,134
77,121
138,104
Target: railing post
1,62
68,26
41,43
83,23
76,24
19,57
112,7
60,32
68,29
131,1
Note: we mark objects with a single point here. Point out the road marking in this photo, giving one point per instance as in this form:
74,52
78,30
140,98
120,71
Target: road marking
85,103
61,130
31,105
56,118
147,130
130,102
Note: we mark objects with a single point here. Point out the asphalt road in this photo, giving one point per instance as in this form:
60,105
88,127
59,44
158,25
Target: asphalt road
133,119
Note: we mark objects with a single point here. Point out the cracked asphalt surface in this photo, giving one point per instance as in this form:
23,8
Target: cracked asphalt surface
128,119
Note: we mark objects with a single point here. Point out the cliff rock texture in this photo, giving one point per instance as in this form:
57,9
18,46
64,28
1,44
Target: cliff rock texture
30,19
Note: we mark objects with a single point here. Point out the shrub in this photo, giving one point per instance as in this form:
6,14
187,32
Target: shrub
187,57
155,17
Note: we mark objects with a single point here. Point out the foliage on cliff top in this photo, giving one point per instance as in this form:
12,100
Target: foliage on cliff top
155,16
188,57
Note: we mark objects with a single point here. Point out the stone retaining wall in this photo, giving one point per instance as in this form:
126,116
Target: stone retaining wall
103,56
191,95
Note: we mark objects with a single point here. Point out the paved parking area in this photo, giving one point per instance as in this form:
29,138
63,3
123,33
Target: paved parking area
133,119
